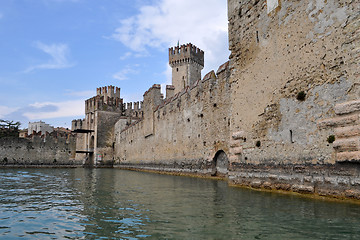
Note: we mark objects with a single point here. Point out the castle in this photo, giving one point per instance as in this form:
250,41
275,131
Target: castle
281,114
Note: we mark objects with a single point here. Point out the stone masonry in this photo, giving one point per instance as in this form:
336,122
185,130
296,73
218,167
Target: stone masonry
281,114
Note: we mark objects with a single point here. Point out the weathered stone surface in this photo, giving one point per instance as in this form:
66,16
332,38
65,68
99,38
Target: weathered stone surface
347,107
234,143
348,156
237,150
338,121
355,194
347,144
48,151
267,185
344,132
302,189
234,159
238,135
256,184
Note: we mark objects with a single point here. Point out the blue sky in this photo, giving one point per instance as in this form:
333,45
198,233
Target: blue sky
55,53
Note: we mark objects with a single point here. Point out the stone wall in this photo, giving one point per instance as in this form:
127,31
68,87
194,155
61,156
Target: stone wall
282,114
183,132
341,180
301,47
104,135
294,64
38,151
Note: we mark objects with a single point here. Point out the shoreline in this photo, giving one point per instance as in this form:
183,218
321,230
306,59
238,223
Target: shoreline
339,198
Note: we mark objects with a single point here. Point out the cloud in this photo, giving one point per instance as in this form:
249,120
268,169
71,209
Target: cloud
42,111
48,110
123,74
4,110
58,52
126,56
166,22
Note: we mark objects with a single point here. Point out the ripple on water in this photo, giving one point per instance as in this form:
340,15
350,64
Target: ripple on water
113,204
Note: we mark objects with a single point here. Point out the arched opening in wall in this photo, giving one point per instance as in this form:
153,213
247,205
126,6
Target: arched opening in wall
220,164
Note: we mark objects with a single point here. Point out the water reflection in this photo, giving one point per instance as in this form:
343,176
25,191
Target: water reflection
115,204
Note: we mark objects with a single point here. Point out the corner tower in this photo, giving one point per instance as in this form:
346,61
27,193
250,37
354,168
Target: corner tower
186,62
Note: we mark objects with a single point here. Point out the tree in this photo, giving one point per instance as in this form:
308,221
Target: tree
9,128
9,124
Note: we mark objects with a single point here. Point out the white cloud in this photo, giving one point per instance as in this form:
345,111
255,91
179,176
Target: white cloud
56,110
166,22
123,74
58,52
126,56
4,110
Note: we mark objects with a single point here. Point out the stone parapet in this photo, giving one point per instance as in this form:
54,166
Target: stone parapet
186,53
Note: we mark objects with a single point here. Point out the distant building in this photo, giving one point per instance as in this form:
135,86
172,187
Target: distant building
39,127
23,133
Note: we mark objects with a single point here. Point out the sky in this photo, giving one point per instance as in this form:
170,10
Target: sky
55,53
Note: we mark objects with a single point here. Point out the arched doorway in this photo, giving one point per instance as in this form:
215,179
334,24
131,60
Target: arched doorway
220,164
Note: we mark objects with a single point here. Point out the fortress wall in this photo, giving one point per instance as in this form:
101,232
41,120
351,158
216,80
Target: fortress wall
48,151
80,138
278,140
187,129
300,46
133,109
104,135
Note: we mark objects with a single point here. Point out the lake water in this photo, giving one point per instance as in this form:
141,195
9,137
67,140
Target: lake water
116,204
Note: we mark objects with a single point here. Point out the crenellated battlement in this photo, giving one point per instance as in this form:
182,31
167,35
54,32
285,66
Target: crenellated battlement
133,109
104,103
108,91
186,53
155,87
186,62
77,124
222,74
133,105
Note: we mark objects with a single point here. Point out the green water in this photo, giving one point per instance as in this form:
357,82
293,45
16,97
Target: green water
117,204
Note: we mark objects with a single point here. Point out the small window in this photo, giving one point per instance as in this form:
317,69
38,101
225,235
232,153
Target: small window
177,69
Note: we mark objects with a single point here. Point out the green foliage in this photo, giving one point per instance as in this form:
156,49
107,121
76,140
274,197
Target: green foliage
9,124
331,139
301,96
9,128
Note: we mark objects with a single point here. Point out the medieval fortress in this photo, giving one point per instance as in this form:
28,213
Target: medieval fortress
282,114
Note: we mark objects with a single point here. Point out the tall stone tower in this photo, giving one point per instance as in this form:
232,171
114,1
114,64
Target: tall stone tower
186,61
